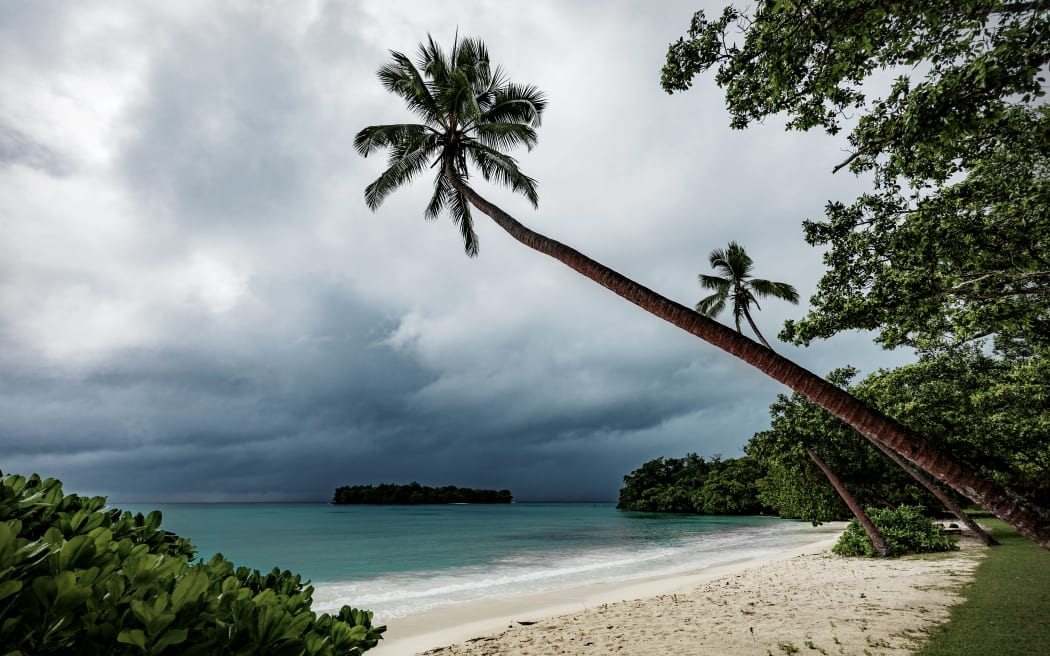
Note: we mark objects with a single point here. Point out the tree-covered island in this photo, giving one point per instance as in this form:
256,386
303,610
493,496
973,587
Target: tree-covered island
389,494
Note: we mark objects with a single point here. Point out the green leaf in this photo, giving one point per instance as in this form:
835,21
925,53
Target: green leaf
8,588
73,553
133,637
190,588
170,637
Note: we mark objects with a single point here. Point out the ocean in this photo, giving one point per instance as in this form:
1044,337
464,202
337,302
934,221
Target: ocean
399,561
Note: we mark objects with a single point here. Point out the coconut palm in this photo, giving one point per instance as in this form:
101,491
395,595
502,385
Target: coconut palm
471,113
736,286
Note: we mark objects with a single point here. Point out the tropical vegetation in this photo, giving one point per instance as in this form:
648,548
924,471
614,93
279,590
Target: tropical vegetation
944,105
694,485
414,494
471,114
905,529
958,398
78,577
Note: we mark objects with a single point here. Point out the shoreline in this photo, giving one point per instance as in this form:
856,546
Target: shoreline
438,628
803,598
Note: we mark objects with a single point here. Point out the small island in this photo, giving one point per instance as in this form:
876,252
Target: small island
390,494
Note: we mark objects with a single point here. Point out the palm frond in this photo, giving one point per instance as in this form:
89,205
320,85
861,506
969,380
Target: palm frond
711,306
375,137
459,208
503,136
503,169
432,60
403,79
738,314
780,290
472,57
518,103
738,261
443,191
403,165
720,285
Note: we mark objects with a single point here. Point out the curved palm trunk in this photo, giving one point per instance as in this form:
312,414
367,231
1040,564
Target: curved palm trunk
921,478
758,333
877,541
941,495
1030,520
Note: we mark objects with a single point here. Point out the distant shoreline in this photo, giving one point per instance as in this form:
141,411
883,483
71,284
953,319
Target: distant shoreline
414,494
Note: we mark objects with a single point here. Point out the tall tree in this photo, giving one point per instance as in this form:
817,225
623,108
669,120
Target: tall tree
952,243
737,287
470,112
877,541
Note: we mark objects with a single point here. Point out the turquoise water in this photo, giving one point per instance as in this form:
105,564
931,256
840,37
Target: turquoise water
404,560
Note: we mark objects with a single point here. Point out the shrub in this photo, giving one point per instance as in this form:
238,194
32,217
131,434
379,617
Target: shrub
77,577
906,529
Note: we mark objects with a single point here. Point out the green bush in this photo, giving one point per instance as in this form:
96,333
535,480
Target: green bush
76,577
906,530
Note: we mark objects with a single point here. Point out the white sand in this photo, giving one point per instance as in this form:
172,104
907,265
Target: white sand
805,598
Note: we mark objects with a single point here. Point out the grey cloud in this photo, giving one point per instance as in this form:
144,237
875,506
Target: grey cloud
360,347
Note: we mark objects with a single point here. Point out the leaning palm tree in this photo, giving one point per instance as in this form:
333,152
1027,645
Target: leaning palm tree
470,113
736,287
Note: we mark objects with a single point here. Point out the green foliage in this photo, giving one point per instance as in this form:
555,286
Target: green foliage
953,241
1011,592
906,529
414,493
693,485
989,411
796,487
78,577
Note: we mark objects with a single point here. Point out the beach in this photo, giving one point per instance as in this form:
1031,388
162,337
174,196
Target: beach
804,598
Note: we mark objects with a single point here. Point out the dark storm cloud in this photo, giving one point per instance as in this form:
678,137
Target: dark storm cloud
195,303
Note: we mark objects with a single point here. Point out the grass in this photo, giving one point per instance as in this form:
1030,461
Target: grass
1007,608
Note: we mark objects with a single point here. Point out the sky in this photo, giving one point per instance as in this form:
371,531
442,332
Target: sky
197,305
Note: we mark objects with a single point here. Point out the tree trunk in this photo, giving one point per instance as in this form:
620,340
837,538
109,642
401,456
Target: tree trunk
1030,520
877,541
921,478
758,334
941,495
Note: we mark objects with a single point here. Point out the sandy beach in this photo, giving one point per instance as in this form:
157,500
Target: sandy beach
804,599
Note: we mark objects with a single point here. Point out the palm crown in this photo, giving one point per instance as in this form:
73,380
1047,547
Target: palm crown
470,113
736,286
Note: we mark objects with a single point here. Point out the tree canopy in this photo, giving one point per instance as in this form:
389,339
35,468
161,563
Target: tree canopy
793,483
694,485
471,113
953,241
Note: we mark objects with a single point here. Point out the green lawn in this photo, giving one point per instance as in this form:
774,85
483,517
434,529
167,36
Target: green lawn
1007,609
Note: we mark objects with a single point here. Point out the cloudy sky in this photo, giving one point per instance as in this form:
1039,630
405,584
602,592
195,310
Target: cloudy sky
196,304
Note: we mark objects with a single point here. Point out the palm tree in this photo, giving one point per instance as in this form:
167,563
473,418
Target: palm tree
470,113
878,542
736,286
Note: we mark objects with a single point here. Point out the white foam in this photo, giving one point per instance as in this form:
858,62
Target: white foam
404,594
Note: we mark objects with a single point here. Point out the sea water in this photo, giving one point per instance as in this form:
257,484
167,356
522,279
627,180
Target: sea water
403,560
